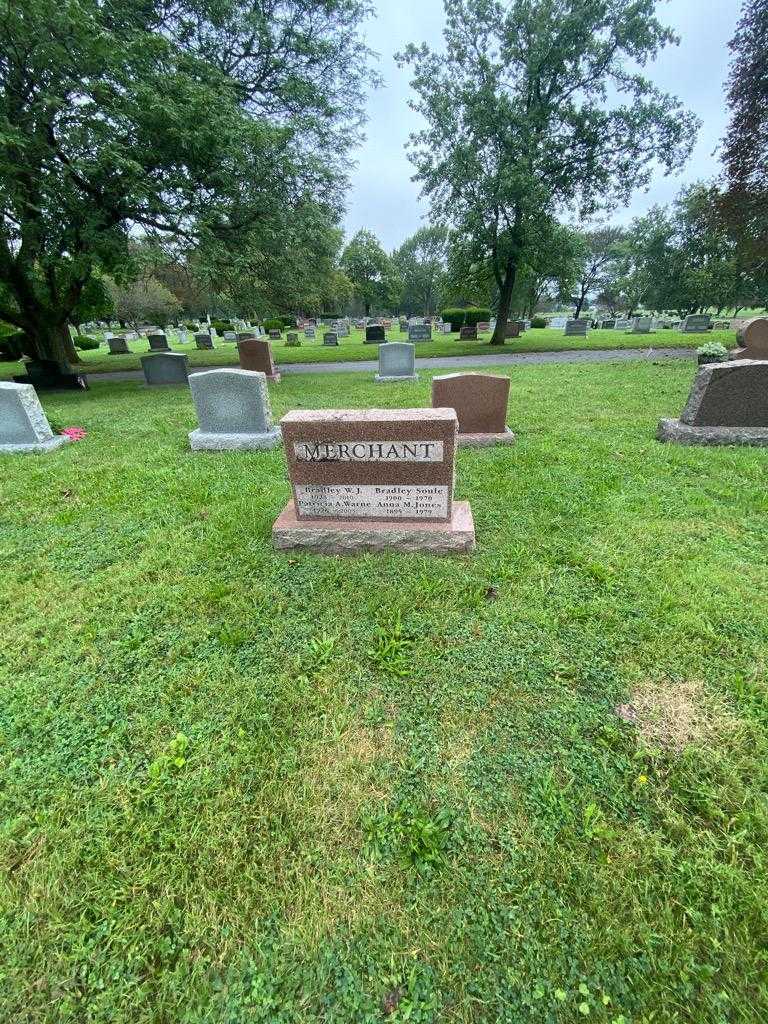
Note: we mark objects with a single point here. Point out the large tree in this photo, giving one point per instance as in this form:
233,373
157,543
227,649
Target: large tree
536,106
367,266
601,249
745,148
196,119
419,266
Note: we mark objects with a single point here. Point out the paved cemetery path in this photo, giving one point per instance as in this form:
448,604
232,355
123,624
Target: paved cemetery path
451,362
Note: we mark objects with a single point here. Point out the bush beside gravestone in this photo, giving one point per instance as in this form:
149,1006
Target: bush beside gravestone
273,323
476,315
10,347
538,321
454,317
85,343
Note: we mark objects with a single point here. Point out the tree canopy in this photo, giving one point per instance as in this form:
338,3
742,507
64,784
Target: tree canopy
536,107
367,266
200,121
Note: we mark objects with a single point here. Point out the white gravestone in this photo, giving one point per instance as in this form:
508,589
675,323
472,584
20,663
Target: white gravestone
233,411
24,426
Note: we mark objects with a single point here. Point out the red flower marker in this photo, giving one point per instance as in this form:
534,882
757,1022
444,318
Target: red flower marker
74,433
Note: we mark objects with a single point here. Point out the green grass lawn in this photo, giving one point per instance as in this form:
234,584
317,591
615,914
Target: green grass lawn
241,786
354,348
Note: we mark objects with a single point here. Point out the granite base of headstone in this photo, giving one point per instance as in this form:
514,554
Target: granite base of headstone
397,363
48,375
373,480
728,405
24,427
233,411
165,368
256,354
480,401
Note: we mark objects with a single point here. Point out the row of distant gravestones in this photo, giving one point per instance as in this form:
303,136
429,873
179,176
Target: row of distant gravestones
728,403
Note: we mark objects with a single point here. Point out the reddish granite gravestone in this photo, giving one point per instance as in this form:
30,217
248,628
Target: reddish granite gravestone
728,404
468,334
480,401
256,354
753,339
372,480
512,329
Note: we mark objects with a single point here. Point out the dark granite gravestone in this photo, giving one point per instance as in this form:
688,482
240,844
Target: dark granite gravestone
512,329
330,338
204,341
696,323
118,346
728,404
158,343
420,332
275,335
165,368
374,335
468,334
576,328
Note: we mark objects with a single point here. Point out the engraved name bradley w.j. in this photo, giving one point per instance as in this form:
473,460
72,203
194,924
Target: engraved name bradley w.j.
368,451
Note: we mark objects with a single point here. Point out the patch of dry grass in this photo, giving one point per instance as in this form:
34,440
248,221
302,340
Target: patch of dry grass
672,715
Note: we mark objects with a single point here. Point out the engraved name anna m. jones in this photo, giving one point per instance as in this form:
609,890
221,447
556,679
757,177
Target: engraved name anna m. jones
368,451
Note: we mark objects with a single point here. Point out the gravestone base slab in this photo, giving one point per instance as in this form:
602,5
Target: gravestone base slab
201,441
275,378
358,536
485,440
676,432
378,379
38,448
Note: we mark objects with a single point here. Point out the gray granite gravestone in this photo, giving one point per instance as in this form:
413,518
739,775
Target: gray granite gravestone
118,346
728,404
696,324
233,411
374,334
310,332
330,338
608,325
292,340
158,343
576,328
641,325
24,426
420,332
165,368
445,328
274,334
230,335
397,362
204,341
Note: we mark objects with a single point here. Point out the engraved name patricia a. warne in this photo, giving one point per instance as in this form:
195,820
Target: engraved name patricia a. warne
368,451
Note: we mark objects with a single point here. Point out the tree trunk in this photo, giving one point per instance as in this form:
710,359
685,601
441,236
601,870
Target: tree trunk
505,299
49,341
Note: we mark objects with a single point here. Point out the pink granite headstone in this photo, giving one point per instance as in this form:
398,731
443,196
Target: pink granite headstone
372,479
480,401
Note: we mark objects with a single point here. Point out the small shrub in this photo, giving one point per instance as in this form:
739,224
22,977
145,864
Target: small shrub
712,350
221,325
85,343
538,321
10,347
273,323
476,315
454,317
288,321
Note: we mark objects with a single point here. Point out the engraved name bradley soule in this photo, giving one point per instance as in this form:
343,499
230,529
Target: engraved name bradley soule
368,451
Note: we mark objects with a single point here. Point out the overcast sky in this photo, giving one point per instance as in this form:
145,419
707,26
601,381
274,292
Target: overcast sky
384,199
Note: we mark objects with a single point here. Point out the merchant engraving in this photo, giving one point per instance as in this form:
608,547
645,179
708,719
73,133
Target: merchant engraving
368,451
